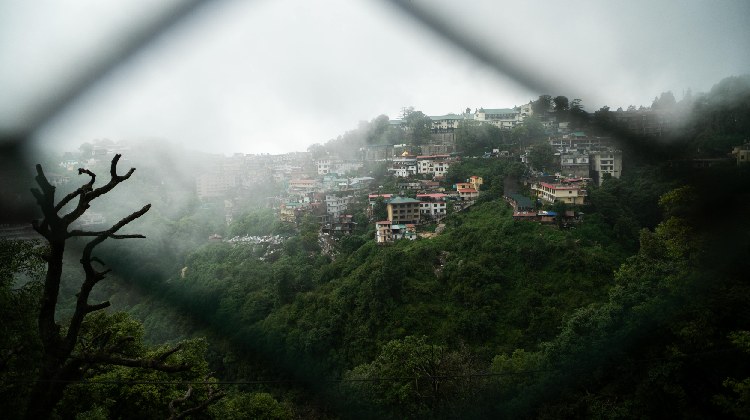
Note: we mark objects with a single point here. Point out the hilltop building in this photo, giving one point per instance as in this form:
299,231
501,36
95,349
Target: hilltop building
505,118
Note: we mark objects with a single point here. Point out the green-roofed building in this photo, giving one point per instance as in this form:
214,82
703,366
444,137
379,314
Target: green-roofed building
403,210
446,122
506,118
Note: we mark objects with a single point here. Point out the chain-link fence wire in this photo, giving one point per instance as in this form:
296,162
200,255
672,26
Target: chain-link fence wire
15,159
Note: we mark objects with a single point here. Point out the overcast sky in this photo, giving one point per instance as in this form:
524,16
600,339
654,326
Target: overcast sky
277,76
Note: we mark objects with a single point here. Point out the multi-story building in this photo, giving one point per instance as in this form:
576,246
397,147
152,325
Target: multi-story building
578,141
447,122
303,187
403,166
342,225
605,164
386,232
435,165
574,164
403,210
336,204
505,118
468,194
289,212
324,166
563,192
383,232
432,206
339,167
475,181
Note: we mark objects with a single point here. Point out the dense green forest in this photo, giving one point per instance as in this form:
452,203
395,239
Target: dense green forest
638,311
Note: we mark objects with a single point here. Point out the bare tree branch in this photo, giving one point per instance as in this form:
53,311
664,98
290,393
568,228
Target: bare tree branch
57,351
92,276
73,233
79,191
97,307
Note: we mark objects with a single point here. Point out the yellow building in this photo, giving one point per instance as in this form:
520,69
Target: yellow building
475,182
403,210
566,193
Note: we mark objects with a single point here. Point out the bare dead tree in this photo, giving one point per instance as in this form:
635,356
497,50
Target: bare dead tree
61,363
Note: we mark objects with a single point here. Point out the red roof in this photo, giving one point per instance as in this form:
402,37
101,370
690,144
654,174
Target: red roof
380,195
467,190
384,222
433,195
558,187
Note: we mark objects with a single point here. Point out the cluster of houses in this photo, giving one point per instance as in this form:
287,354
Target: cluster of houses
328,189
583,156
405,214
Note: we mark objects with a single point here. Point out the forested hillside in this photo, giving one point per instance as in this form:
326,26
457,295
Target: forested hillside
639,311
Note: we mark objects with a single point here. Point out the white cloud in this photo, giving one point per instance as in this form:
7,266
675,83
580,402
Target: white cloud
278,76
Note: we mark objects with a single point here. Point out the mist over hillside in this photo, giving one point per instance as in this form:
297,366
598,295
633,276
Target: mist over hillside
541,261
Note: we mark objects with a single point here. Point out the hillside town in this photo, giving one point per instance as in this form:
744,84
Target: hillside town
488,238
418,195
403,188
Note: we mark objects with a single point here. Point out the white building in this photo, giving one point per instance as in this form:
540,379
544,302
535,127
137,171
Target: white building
447,122
403,167
386,232
324,166
566,193
436,165
605,164
505,118
336,205
432,206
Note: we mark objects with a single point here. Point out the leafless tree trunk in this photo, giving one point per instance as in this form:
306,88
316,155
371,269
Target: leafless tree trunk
60,364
